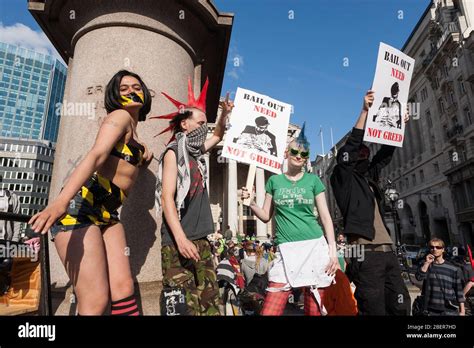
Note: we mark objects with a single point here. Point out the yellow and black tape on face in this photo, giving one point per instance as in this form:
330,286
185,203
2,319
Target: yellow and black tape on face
132,98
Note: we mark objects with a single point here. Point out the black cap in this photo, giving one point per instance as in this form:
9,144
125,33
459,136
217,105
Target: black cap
261,121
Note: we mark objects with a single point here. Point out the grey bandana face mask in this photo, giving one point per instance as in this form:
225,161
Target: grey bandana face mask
195,140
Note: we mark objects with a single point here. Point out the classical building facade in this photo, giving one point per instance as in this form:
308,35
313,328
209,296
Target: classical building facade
323,166
434,171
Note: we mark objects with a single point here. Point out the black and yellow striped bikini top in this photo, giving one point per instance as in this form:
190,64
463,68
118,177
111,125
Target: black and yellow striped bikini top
130,152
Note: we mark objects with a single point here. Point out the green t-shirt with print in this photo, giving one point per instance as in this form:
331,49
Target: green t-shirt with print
294,207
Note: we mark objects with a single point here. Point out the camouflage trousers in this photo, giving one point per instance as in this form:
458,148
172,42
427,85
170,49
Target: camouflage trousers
198,279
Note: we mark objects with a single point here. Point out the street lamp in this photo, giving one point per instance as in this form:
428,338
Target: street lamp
392,195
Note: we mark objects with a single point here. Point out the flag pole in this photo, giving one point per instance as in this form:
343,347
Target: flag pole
322,139
332,139
322,149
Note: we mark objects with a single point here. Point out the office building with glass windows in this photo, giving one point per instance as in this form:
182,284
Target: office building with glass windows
25,169
31,92
31,86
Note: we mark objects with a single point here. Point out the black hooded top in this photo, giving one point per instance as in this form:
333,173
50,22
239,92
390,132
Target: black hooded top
351,188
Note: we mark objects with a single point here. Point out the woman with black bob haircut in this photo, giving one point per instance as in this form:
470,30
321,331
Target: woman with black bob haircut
113,94
84,220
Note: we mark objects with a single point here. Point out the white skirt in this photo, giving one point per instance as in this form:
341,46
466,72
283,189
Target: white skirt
301,264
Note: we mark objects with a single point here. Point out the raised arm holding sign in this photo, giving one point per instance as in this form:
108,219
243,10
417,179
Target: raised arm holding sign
355,186
392,83
258,132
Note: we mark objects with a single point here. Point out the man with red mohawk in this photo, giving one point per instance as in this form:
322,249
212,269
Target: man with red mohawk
189,279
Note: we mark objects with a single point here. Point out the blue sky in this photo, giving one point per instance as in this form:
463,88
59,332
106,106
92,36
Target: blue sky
298,61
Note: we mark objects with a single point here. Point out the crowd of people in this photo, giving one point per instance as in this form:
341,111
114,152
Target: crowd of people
303,257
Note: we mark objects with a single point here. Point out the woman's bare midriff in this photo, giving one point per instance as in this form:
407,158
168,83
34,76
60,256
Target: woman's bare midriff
120,172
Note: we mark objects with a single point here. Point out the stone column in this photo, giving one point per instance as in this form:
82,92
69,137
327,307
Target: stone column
165,42
206,158
77,133
241,219
232,208
260,198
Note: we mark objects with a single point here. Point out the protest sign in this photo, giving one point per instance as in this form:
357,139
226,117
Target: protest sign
258,131
391,85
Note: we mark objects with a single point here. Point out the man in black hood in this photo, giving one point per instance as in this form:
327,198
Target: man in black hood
380,289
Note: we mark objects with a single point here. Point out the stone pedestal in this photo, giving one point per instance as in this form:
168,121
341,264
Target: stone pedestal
165,42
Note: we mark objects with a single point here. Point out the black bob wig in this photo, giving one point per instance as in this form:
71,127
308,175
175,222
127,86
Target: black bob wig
112,94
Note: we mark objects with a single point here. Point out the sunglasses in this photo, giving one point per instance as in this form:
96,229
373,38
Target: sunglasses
295,152
437,247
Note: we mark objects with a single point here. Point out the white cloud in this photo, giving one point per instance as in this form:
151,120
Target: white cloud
236,61
233,74
23,36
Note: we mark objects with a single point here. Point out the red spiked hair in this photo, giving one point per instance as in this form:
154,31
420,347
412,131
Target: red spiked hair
192,103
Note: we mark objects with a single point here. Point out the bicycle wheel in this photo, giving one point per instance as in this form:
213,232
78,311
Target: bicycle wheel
231,302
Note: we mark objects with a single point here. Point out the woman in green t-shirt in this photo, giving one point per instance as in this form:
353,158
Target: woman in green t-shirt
304,258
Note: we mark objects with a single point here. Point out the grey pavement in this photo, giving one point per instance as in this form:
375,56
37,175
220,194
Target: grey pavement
63,300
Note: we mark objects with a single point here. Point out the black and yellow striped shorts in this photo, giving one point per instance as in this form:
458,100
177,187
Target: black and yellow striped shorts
96,203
